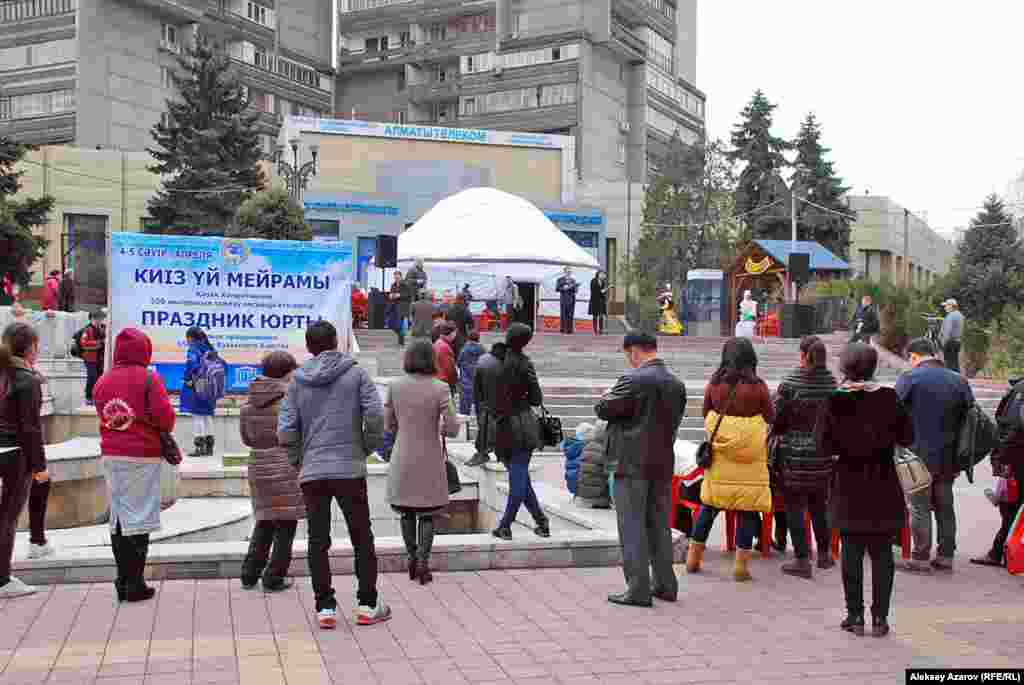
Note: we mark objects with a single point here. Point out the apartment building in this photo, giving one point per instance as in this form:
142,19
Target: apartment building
618,76
97,73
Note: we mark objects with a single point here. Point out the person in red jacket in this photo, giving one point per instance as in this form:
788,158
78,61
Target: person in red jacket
92,341
133,408
444,355
51,292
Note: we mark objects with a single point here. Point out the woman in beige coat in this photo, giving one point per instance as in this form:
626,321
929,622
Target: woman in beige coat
417,409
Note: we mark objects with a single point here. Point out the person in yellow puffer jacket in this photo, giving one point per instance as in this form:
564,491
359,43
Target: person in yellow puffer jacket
737,479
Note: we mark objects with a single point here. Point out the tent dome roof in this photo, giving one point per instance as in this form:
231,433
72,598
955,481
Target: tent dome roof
485,225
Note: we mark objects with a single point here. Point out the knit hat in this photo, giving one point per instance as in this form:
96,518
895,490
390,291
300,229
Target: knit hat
519,336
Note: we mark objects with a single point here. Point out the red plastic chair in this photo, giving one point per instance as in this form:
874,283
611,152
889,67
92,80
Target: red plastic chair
677,500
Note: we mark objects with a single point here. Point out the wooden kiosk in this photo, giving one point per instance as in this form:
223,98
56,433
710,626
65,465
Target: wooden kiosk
762,268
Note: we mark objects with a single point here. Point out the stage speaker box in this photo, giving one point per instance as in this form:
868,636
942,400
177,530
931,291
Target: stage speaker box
796,320
377,303
387,252
800,267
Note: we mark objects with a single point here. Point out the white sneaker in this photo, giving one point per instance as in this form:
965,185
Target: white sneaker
328,619
368,616
16,588
40,551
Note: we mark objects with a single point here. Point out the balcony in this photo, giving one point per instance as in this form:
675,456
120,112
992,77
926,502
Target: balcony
358,57
437,91
633,43
26,10
655,12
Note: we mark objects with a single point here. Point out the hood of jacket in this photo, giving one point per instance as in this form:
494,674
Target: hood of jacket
324,369
132,348
264,391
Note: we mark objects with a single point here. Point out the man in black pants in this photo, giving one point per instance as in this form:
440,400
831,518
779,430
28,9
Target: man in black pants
643,412
567,286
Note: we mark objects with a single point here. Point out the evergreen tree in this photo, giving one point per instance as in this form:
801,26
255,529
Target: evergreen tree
271,215
761,194
989,264
814,179
19,246
207,142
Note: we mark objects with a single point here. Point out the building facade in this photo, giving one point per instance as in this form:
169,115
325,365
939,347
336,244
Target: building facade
891,243
616,76
1014,199
97,73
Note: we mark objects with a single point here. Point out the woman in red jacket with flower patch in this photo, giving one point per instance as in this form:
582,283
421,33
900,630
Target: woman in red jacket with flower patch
134,409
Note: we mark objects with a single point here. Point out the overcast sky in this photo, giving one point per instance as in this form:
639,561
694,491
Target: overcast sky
920,101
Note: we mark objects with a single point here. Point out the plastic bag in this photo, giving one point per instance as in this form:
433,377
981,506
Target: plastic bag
1001,490
1015,546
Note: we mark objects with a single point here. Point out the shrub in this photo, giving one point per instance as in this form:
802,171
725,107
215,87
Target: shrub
975,346
1006,352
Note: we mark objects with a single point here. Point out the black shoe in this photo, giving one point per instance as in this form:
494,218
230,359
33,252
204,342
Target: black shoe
279,585
987,560
666,596
543,530
210,442
627,601
249,584
200,447
826,562
139,594
879,627
119,586
853,623
502,532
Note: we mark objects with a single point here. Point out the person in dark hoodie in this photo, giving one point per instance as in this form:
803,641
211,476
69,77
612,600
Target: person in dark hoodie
333,416
273,482
485,394
804,473
133,408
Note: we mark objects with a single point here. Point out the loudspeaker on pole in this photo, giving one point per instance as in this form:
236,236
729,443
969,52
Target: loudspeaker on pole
387,252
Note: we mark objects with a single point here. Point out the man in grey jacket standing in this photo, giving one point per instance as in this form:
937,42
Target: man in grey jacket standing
950,334
334,416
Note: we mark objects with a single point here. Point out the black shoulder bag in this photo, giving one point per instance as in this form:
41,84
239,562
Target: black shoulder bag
551,433
169,449
704,451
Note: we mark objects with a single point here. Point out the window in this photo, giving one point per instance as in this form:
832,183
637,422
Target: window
661,51
440,74
263,101
169,34
519,23
438,32
398,116
37,104
401,81
477,23
441,110
620,156
373,44
475,64
468,107
522,98
405,39
526,58
166,77
38,54
259,14
556,54
260,58
298,73
87,238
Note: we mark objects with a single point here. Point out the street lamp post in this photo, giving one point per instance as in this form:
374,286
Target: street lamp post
296,176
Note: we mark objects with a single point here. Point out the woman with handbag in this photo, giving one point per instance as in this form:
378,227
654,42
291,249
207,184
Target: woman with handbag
417,405
737,411
135,413
22,455
277,501
518,431
802,472
860,425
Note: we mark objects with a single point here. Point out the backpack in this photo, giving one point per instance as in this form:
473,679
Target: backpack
209,381
978,437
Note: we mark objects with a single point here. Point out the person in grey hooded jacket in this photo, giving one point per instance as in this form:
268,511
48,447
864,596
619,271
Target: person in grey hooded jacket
333,415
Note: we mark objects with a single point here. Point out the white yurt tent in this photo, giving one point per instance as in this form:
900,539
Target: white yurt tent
482,235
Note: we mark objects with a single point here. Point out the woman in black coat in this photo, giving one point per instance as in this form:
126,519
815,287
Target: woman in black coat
861,425
598,308
798,469
517,432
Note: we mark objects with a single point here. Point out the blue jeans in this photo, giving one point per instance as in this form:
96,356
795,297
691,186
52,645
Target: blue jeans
520,490
749,525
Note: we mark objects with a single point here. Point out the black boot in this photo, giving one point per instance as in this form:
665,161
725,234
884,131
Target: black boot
137,548
117,547
209,445
408,524
200,450
879,627
543,528
425,545
853,623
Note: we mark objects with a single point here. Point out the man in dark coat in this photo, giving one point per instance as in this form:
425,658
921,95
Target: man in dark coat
66,295
865,321
643,412
417,280
937,400
485,395
598,307
567,286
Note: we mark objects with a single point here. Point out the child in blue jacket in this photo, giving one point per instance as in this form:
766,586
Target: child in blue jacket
573,450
